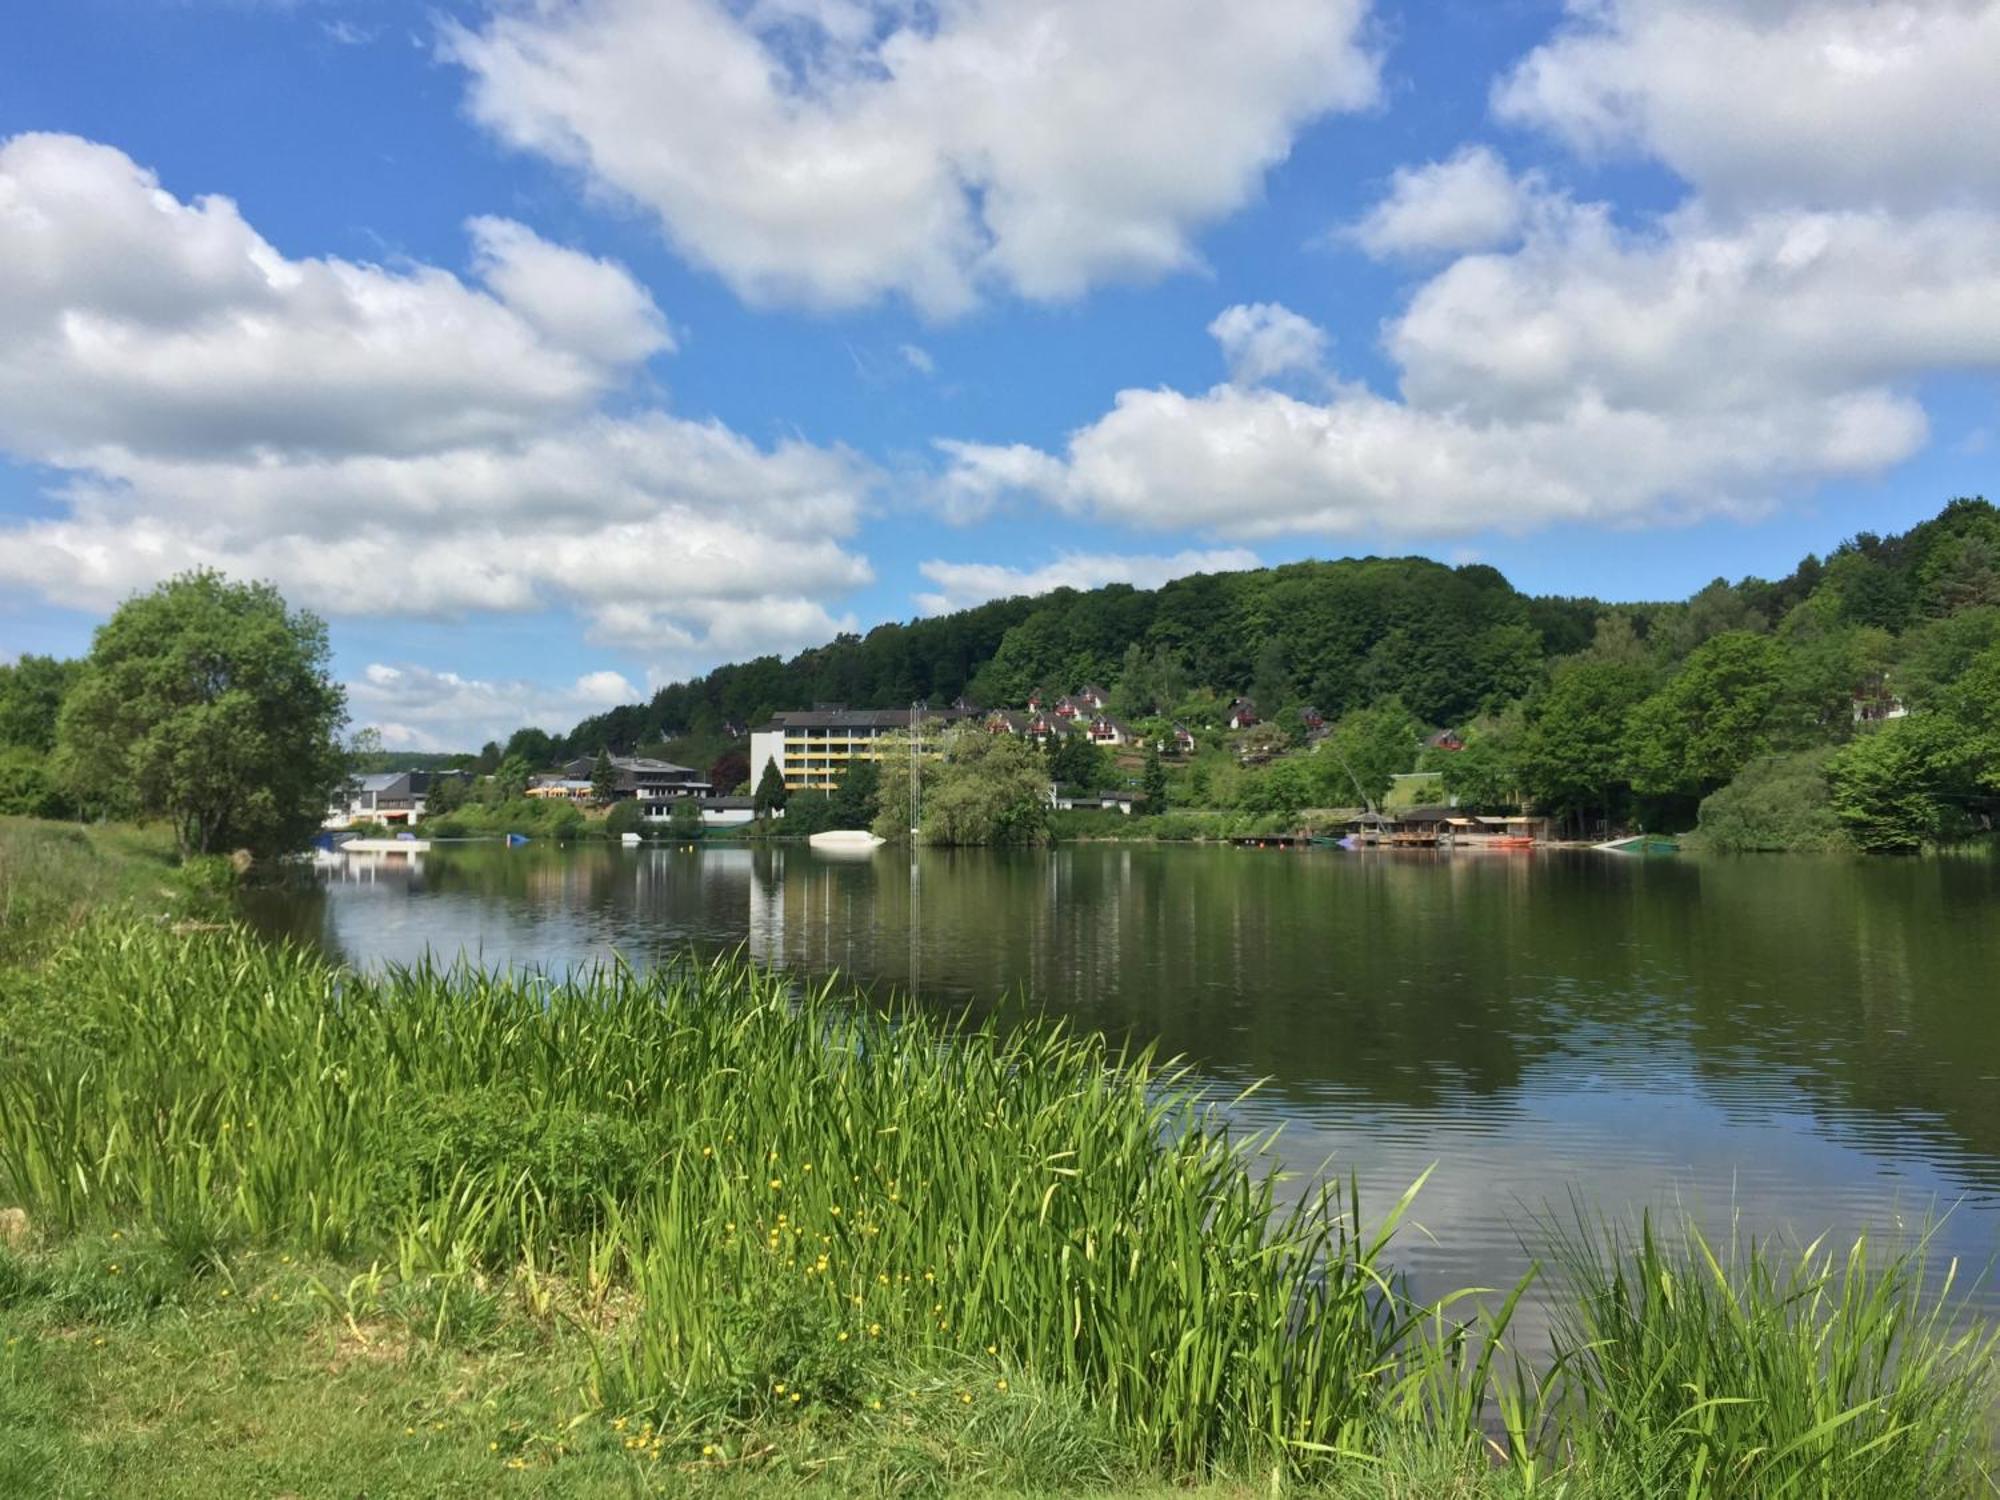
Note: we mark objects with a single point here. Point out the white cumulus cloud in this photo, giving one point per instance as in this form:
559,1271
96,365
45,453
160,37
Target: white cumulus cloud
834,152
1839,245
423,709
390,442
1264,341
1817,103
1469,201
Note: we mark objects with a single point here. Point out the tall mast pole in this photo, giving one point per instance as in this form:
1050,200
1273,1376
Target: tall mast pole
916,771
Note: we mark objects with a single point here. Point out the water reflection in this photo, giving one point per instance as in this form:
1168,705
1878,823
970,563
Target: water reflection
1808,1044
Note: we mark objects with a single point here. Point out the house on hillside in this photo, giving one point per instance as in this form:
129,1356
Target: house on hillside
1069,707
734,730
1874,703
1044,727
1242,714
1179,741
1006,721
1035,701
964,705
1314,721
1092,697
1106,730
1446,739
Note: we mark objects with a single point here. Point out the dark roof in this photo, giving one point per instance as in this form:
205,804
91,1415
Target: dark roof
1427,815
628,765
648,764
726,804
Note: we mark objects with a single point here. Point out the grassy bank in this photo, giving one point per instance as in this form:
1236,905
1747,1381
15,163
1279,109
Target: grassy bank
449,1233
54,876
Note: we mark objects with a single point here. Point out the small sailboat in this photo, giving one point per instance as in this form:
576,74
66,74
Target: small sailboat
515,840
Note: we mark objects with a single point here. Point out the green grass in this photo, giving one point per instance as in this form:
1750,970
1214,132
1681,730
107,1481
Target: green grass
785,1238
54,875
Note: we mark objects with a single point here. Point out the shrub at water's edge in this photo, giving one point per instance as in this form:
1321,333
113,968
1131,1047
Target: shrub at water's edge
788,1211
1779,803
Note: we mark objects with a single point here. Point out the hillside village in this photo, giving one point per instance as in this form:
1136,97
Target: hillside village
1845,706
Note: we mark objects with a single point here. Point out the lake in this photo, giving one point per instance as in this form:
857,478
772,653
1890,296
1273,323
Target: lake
1797,1044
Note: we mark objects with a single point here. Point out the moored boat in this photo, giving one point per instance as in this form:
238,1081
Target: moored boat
845,838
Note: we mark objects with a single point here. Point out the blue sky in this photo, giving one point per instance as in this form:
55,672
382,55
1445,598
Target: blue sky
556,351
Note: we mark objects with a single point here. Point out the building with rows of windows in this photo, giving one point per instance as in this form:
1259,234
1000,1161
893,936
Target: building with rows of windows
812,748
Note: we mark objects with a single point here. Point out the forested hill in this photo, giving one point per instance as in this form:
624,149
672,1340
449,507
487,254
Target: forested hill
1448,642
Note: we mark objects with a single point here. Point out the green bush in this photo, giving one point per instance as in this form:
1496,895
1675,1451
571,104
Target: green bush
625,817
211,875
28,788
539,817
1778,803
684,821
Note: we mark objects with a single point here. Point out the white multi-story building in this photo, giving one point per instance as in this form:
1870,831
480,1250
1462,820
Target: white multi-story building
813,748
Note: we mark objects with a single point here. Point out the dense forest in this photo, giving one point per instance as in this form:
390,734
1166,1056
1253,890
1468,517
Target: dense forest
1448,641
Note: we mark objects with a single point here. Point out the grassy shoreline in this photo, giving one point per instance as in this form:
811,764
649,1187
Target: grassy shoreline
697,1231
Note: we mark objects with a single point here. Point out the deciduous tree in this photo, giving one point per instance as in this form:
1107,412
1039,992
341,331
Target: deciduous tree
211,704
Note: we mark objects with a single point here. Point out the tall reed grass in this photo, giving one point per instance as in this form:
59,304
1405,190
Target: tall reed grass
769,1191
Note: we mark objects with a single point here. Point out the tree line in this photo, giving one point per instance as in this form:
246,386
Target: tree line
1850,704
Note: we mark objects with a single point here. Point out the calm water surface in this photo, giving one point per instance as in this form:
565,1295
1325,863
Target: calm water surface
1797,1044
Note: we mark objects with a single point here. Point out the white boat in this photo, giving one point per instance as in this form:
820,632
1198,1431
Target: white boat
385,846
845,838
628,838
